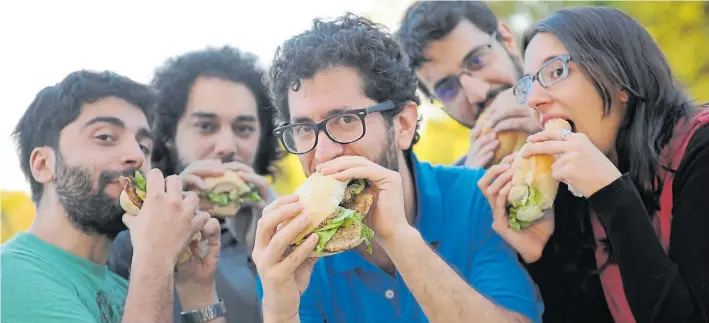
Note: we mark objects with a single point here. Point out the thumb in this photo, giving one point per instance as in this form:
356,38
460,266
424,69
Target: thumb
129,219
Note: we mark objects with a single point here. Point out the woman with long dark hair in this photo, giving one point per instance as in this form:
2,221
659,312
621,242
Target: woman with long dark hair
631,243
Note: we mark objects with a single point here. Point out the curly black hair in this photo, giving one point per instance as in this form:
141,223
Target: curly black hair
173,81
56,106
350,41
427,21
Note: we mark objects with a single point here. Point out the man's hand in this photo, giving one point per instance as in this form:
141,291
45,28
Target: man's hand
389,218
482,148
195,278
508,115
166,222
194,175
284,275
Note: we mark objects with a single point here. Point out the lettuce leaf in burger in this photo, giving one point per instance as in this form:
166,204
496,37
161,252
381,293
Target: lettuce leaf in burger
335,210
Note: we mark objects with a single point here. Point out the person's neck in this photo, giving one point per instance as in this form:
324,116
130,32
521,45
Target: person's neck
52,225
407,179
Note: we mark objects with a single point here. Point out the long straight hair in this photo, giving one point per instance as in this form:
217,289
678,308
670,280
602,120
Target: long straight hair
616,53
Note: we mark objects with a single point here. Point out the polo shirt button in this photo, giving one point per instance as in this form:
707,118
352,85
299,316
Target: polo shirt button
389,294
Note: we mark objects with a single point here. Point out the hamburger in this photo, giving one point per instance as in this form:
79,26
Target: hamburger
533,188
131,201
227,193
510,141
335,210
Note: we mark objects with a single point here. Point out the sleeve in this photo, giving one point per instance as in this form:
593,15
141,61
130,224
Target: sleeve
495,271
32,295
308,311
121,256
658,287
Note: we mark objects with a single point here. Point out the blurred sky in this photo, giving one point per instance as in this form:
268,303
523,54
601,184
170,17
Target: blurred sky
43,41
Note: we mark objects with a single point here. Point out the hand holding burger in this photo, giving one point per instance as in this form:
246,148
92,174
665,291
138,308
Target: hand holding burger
132,200
162,218
521,192
225,187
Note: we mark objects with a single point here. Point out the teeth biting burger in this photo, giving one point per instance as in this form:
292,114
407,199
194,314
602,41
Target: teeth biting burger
335,210
533,188
228,192
131,201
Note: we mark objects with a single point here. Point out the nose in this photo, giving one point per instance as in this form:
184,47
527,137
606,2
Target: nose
326,149
475,89
226,145
133,157
538,98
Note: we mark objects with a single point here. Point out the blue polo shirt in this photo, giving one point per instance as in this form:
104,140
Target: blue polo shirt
455,219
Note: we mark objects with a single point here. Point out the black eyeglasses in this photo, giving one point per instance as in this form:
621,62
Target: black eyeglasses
343,128
447,89
549,74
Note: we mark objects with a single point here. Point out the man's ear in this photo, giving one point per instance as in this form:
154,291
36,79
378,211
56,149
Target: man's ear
405,125
507,39
43,164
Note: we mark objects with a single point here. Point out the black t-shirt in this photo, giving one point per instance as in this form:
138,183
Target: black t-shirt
659,287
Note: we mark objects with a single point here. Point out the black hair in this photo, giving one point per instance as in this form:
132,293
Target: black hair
428,21
616,53
173,82
350,41
58,105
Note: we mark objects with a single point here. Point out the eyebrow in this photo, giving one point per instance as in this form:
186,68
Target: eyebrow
327,115
210,115
143,133
471,53
111,120
546,60
467,56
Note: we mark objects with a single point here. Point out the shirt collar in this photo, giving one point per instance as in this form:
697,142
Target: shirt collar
428,221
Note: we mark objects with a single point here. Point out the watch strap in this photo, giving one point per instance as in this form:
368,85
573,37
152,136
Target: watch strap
204,314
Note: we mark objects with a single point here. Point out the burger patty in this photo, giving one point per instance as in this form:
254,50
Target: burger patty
360,202
129,186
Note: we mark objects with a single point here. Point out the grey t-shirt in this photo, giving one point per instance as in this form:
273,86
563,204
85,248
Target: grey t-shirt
235,276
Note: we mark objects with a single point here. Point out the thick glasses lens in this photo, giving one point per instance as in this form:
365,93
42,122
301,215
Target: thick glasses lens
521,89
345,128
553,72
299,138
448,90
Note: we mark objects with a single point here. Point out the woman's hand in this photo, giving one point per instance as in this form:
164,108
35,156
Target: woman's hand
578,162
496,185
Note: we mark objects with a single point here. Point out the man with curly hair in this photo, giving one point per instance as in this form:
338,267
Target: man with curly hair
468,61
213,114
345,95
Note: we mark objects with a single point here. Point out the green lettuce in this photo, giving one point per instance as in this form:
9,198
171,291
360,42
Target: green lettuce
226,198
527,211
139,181
344,218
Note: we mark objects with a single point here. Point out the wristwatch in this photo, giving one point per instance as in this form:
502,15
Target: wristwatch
205,314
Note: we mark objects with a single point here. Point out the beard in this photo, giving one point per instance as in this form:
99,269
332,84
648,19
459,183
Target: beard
91,211
388,158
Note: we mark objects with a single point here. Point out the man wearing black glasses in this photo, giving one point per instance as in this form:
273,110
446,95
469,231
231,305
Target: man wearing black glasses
468,61
347,99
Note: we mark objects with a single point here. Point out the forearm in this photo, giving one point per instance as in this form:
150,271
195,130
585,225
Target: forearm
150,291
443,295
270,316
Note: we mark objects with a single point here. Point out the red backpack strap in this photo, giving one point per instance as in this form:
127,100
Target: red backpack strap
677,147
